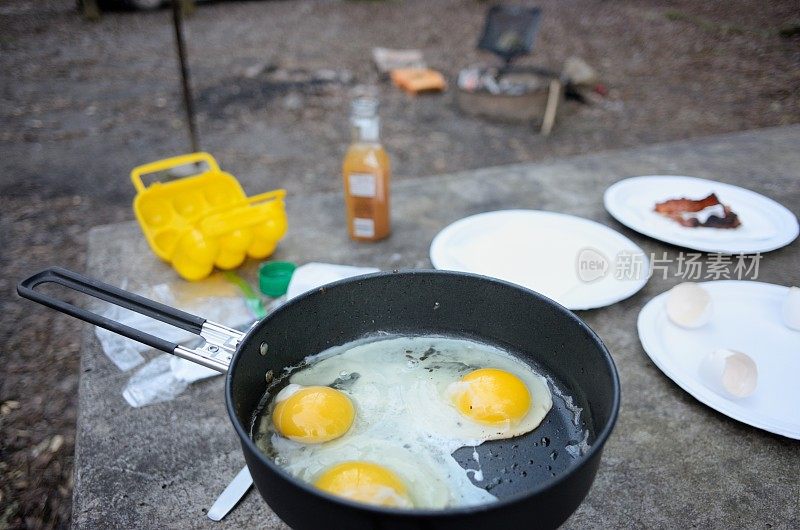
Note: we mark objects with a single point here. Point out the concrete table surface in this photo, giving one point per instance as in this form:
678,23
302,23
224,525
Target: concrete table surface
671,462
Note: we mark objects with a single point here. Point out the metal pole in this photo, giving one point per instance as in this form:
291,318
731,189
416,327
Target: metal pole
180,45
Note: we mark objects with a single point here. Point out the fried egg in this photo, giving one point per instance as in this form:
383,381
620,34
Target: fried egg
415,400
365,482
312,414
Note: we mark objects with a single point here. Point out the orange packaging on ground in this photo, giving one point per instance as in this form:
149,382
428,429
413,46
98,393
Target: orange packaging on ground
418,80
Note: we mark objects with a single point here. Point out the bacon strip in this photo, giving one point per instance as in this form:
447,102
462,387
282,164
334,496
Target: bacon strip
676,209
674,206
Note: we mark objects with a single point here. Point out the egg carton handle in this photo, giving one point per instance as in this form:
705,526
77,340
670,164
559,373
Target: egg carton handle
170,163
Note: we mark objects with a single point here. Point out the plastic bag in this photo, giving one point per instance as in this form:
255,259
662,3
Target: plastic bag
162,379
166,376
214,298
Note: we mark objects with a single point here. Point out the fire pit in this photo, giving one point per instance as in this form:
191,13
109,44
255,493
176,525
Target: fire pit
515,95
507,93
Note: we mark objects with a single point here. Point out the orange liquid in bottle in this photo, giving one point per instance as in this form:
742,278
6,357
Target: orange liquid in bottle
367,174
366,190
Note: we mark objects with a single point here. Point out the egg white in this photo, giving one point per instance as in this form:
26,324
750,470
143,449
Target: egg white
405,419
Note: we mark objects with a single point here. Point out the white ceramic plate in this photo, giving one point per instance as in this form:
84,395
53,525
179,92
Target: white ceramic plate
766,224
543,252
747,318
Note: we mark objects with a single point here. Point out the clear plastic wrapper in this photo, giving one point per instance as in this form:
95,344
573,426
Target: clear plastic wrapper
214,298
165,376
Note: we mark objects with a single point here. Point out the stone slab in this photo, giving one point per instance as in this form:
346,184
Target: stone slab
671,461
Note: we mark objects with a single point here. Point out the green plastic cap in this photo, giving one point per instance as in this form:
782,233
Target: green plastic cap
274,276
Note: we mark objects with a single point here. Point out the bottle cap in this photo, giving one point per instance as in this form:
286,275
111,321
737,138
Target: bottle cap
274,276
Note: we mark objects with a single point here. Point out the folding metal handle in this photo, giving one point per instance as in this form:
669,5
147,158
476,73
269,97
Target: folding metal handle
216,353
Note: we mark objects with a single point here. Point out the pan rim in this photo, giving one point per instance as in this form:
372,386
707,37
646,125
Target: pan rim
600,439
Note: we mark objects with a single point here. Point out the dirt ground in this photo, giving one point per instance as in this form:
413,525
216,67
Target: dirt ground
82,103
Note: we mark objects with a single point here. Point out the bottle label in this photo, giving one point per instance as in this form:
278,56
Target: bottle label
363,185
363,227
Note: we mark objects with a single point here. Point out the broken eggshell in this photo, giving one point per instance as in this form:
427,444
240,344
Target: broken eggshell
730,373
791,309
688,305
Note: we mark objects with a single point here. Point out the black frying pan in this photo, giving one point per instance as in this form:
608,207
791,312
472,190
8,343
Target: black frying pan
537,481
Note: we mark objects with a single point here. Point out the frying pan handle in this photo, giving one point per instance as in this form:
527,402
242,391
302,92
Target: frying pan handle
216,353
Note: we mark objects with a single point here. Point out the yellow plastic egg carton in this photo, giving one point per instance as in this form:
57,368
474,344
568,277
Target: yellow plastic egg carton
205,219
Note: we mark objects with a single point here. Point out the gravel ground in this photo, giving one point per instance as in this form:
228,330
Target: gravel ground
82,103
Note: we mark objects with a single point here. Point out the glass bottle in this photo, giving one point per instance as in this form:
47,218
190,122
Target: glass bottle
366,174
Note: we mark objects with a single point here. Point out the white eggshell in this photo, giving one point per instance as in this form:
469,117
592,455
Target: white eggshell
688,305
791,309
730,373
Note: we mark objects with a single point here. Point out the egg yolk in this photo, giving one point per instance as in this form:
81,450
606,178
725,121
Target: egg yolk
314,414
492,397
365,482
